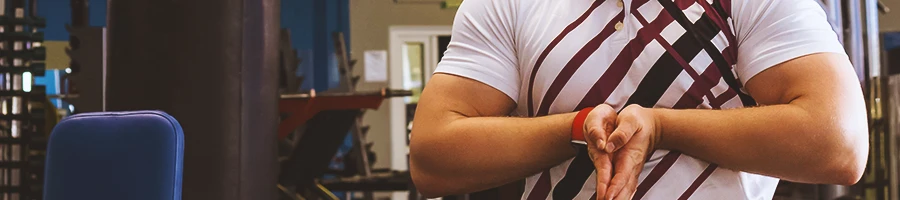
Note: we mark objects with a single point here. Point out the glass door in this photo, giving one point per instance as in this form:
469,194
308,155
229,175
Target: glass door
413,70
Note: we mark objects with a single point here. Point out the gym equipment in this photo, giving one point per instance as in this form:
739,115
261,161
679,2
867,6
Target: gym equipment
21,124
879,179
115,156
891,156
84,85
301,107
327,117
288,60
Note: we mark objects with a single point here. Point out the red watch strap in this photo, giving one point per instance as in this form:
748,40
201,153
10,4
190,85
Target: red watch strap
578,124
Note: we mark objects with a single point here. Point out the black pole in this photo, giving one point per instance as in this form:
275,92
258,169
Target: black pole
80,18
212,64
32,8
80,13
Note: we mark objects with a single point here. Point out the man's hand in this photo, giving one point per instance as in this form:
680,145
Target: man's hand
635,138
599,123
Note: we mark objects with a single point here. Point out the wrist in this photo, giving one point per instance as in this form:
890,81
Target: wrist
577,133
658,117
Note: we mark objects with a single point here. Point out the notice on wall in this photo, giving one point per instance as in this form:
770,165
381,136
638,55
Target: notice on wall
376,66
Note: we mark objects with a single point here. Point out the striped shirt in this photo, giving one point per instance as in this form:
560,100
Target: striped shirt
559,56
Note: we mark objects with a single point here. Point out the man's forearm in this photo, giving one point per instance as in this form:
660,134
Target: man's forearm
474,153
797,143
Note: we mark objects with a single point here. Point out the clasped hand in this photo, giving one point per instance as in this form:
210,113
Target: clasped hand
618,145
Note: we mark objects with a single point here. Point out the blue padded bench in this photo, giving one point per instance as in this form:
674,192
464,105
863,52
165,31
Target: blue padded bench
115,156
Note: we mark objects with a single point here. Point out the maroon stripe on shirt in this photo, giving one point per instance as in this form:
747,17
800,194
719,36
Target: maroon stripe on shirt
684,4
610,79
693,97
697,182
640,18
701,84
576,62
601,90
716,18
726,4
540,60
542,187
637,4
655,174
716,103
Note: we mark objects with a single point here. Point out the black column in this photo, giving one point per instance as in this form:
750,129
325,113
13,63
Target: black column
212,65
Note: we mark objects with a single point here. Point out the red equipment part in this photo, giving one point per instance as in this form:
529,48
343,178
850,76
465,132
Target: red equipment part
302,107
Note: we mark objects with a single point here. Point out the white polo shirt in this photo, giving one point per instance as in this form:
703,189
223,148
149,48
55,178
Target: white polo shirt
558,56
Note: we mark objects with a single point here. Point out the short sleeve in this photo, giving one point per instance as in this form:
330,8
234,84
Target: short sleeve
770,32
482,45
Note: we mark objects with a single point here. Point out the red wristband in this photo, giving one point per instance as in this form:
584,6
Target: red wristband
578,125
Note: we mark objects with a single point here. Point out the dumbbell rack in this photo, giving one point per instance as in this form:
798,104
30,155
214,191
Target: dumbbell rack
21,141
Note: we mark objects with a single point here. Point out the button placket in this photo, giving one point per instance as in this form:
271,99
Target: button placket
621,24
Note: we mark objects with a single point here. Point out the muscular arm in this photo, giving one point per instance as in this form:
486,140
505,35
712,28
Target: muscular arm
811,125
462,140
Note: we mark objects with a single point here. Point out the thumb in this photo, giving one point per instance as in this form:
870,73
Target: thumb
623,132
598,124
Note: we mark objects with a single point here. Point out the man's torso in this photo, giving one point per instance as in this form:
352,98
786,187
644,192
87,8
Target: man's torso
581,53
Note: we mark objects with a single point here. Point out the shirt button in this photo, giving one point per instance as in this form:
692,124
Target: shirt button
620,3
619,26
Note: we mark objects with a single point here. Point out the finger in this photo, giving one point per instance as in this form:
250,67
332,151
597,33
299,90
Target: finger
625,195
625,128
603,166
627,163
616,185
595,134
628,192
602,162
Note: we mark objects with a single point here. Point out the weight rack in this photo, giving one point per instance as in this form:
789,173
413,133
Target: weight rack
22,134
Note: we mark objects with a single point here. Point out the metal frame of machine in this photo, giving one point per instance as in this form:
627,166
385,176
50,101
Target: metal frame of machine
22,131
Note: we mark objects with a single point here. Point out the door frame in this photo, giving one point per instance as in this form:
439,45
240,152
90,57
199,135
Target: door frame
398,36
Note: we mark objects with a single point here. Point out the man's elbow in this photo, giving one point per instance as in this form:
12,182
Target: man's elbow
427,181
847,175
426,184
848,160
